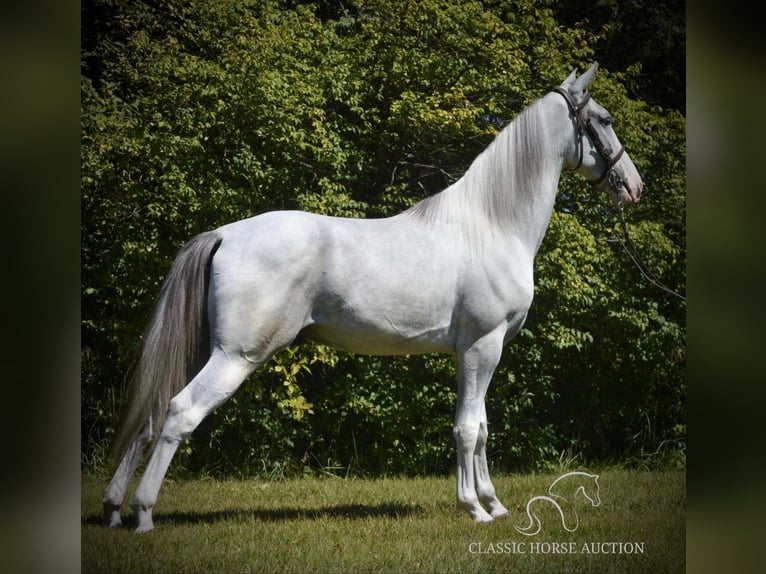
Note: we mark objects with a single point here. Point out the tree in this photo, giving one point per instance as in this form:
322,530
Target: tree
644,40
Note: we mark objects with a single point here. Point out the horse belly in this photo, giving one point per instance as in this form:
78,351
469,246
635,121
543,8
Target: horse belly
350,333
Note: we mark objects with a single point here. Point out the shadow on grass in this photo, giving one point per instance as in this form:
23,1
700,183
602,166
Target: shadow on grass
351,511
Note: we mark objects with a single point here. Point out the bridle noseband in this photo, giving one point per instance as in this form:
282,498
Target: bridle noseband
584,124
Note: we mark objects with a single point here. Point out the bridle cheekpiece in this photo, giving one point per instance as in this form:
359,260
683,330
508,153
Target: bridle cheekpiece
584,124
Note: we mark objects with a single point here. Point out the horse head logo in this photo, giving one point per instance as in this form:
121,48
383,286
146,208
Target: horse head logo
563,490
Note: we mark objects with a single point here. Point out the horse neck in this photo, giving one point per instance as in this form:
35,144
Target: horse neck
509,190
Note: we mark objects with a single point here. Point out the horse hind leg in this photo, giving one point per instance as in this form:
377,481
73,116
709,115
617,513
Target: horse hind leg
115,491
216,382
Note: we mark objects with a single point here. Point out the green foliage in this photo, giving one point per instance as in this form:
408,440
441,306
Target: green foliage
196,114
646,37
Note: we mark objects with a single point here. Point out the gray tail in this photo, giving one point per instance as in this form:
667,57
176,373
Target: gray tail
175,346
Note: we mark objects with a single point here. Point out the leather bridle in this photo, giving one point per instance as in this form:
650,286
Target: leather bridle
584,124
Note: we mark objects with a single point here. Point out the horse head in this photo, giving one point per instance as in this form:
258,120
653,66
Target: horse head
600,157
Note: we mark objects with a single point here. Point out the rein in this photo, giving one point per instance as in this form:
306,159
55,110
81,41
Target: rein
632,251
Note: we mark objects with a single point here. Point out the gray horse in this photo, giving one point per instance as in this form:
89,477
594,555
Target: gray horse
452,274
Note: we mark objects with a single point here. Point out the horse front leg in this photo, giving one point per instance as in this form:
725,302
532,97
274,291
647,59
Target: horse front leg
475,368
484,487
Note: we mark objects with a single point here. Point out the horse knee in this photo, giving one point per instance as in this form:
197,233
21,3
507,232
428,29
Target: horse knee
466,436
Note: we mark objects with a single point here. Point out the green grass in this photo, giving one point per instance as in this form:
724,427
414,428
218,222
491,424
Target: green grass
386,525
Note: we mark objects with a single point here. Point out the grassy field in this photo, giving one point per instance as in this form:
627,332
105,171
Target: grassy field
389,525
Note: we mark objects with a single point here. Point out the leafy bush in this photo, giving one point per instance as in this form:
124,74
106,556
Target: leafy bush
196,114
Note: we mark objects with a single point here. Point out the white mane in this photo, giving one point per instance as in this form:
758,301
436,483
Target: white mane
501,190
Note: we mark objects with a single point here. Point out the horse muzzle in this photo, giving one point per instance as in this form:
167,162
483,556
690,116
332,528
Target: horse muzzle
631,194
624,183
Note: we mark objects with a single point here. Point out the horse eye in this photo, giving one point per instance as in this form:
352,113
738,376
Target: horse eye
606,121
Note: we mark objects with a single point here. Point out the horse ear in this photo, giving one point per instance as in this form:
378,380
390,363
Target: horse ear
579,88
570,80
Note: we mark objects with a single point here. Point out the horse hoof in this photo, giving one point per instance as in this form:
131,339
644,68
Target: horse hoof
143,518
481,515
111,517
497,510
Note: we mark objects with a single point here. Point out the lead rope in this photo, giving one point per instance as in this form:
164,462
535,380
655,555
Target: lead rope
632,251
